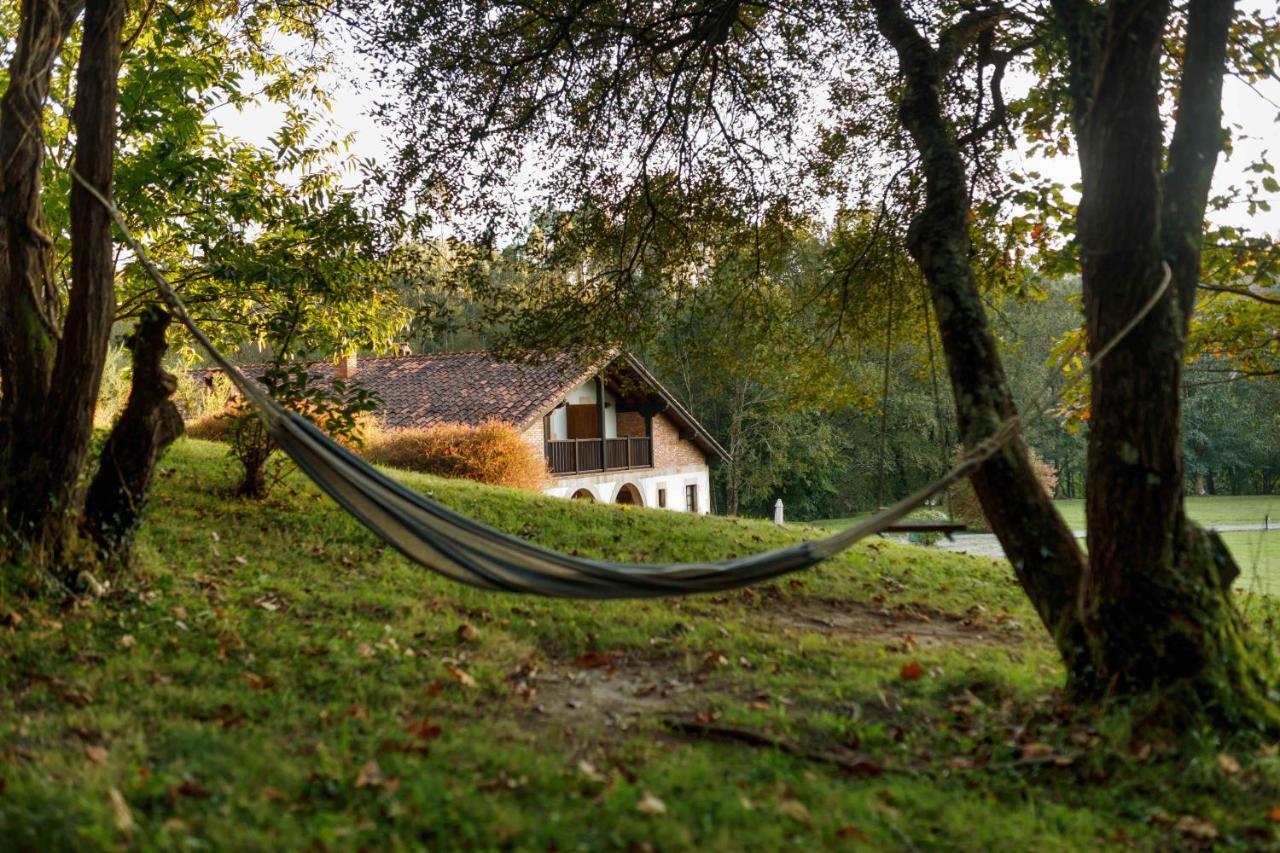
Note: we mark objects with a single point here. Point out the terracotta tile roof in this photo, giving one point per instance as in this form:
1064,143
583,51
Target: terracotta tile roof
473,387
464,387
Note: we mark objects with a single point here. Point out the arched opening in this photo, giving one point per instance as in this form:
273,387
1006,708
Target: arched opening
628,495
584,495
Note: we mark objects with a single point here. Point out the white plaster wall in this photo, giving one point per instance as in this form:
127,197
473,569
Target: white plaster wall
585,393
604,487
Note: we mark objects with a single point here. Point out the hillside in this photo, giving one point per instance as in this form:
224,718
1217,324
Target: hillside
270,676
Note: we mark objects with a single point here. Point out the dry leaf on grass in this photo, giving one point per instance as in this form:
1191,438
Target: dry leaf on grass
1228,764
120,811
370,775
1196,827
912,671
468,633
795,810
127,641
97,754
651,805
460,675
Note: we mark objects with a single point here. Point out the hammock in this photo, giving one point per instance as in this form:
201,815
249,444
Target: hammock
464,550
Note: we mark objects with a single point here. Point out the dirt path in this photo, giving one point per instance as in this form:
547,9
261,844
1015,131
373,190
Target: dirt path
614,692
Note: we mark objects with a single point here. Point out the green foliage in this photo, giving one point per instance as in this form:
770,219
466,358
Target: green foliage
333,405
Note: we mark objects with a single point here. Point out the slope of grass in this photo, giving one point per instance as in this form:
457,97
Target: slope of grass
269,676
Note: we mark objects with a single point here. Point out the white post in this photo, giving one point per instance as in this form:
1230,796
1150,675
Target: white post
777,511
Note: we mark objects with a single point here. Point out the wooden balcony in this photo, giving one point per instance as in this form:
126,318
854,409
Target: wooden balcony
592,455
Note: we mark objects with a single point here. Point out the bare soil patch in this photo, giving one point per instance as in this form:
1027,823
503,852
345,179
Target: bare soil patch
926,626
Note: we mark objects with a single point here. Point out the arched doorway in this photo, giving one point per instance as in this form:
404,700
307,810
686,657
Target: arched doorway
628,495
584,495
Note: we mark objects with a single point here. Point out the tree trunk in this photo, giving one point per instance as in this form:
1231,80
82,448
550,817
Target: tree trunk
29,298
55,382
1156,599
149,424
1044,554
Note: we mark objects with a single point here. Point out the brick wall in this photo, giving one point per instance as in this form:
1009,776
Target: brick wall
532,436
669,449
630,424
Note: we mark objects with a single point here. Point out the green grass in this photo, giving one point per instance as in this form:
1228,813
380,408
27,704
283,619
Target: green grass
268,676
1223,509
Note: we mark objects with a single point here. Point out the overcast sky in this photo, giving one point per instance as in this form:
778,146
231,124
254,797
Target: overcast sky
1250,112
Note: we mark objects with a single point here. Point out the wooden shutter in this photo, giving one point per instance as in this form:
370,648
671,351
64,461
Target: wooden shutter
584,421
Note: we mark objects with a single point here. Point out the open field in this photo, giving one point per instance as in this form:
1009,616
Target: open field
1223,509
271,677
1257,552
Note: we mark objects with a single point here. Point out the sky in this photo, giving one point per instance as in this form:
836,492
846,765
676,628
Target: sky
1251,112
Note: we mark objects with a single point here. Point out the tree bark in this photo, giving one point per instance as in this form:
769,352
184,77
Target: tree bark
1044,554
29,298
149,424
1156,598
54,373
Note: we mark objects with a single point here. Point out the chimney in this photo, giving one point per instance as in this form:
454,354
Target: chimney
346,366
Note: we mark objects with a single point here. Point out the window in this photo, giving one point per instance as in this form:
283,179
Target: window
691,497
662,498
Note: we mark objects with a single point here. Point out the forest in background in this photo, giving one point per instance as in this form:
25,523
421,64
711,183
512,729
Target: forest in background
833,416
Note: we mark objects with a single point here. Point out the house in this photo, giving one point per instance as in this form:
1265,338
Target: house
610,432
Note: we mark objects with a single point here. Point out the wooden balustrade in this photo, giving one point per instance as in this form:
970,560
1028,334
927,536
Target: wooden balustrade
591,455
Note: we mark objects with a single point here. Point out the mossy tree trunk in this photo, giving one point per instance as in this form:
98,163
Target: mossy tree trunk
149,424
54,344
1149,612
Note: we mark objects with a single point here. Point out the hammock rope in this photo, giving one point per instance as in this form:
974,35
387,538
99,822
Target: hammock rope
466,551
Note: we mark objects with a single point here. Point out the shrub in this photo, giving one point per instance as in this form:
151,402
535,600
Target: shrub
962,500
492,452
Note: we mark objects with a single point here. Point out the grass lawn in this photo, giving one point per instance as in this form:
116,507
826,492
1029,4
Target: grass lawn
268,676
1223,509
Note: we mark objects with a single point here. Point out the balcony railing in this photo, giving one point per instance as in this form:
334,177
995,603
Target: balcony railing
592,455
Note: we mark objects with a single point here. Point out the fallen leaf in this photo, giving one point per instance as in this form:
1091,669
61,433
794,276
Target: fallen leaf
586,768
715,660
273,794
460,675
1196,827
795,810
593,660
424,729
127,641
651,805
257,682
189,788
468,633
120,811
365,650
849,832
1274,815
912,671
178,612
370,775
97,754
1227,764
1037,750
241,560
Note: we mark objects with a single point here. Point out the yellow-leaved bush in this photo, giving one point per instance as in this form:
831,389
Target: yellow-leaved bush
491,452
